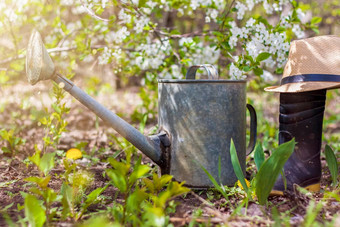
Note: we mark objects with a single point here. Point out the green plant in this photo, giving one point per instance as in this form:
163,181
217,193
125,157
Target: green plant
280,218
270,170
34,212
332,164
101,221
40,211
237,168
264,180
145,201
5,215
54,123
218,186
312,212
73,191
13,142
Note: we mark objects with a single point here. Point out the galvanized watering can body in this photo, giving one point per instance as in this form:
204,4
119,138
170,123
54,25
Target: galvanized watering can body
201,117
197,120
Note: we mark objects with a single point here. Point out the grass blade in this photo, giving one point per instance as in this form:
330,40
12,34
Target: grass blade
236,166
270,170
332,164
258,155
217,186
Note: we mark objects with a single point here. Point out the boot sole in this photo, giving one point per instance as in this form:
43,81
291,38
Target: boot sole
311,188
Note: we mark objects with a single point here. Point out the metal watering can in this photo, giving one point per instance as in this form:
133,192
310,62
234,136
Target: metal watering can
197,120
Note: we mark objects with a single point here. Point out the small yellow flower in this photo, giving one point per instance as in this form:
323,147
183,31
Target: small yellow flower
240,185
74,154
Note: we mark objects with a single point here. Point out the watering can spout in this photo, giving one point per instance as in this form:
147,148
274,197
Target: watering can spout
39,66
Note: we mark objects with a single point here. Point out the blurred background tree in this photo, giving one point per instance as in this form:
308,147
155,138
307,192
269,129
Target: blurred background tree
109,44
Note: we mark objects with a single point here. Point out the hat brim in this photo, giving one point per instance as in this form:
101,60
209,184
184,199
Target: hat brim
303,86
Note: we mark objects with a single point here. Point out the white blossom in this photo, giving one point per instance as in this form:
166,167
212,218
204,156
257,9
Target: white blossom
118,36
298,31
194,4
254,48
151,4
236,73
300,14
250,4
241,8
135,2
124,17
187,40
250,22
212,13
141,22
104,58
153,53
267,7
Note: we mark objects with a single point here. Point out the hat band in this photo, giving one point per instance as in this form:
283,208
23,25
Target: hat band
310,78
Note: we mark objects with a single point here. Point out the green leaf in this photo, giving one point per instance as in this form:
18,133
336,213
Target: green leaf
4,134
36,157
50,195
119,166
67,199
91,199
56,108
100,221
118,179
279,70
6,150
177,189
149,184
41,181
236,166
332,164
258,155
258,71
34,211
316,30
262,56
94,195
47,162
270,170
141,3
316,20
163,180
135,199
139,172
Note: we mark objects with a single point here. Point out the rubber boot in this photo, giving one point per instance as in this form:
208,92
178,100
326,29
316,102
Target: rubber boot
301,117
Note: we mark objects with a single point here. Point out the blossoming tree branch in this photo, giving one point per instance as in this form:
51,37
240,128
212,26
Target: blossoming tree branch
164,37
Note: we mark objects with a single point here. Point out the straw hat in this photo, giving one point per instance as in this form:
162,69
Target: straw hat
313,64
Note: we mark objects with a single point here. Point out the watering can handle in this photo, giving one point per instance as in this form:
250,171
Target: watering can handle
253,129
212,72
